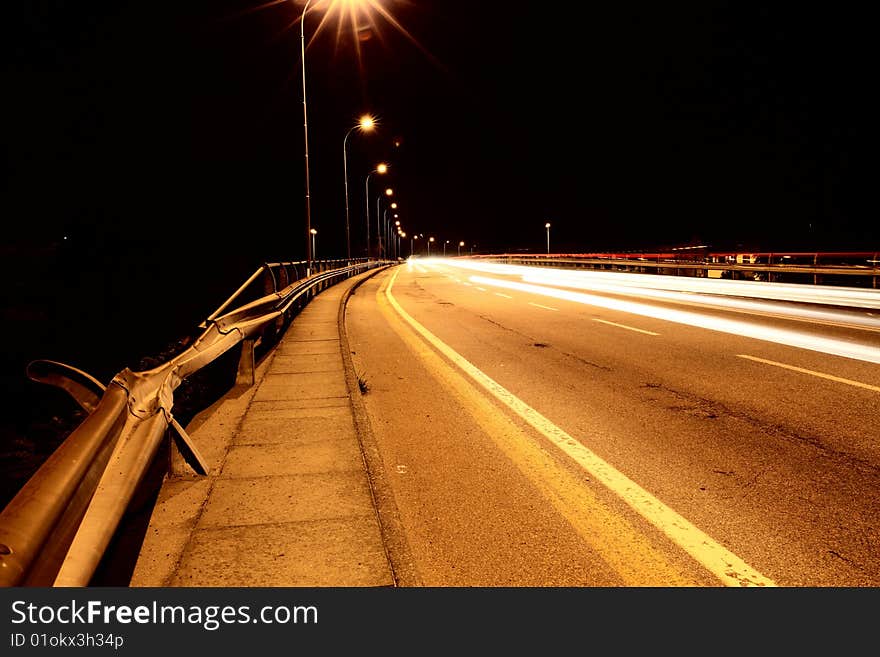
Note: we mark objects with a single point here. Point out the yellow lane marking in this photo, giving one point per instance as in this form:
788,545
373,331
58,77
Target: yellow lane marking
506,296
821,375
623,547
538,305
624,326
723,564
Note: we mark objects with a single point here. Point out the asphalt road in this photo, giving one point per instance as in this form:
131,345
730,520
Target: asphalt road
539,434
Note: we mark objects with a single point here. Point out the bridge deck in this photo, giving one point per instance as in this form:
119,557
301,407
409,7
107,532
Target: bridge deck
287,501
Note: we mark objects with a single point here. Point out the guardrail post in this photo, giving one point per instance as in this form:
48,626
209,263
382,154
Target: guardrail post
246,366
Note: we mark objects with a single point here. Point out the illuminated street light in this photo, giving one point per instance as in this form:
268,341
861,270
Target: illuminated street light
411,240
430,239
547,226
382,227
314,233
460,244
365,124
381,169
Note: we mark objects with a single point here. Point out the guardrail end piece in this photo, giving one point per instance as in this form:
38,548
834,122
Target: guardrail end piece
85,389
188,449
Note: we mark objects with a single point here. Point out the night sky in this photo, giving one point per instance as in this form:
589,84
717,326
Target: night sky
154,150
637,125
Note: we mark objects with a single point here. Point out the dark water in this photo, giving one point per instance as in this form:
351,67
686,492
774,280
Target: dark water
99,311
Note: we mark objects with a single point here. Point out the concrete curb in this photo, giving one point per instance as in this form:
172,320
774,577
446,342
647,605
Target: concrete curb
397,548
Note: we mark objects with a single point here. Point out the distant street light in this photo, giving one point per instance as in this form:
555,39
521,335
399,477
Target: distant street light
430,239
380,228
460,244
380,169
547,226
314,233
411,240
365,124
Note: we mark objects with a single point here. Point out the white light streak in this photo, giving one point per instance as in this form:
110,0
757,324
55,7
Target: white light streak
736,327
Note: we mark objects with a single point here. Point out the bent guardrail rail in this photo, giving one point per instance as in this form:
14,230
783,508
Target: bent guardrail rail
55,531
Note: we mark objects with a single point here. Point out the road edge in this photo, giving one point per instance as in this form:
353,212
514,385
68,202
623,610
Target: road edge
403,569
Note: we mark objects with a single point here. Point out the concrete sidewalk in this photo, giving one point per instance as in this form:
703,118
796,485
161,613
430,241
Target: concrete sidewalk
288,499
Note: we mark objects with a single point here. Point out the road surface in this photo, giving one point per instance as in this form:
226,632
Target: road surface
544,431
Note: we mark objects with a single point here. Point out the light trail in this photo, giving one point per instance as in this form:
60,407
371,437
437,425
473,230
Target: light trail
736,327
620,281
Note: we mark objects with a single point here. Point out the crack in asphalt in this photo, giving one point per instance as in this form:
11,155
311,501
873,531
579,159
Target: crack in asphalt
701,407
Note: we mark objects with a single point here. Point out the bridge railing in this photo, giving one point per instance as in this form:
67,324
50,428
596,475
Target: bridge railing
831,268
56,530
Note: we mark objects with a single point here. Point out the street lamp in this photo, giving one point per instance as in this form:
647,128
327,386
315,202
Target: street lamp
460,244
365,124
430,239
302,34
547,226
444,247
380,229
411,240
314,250
380,169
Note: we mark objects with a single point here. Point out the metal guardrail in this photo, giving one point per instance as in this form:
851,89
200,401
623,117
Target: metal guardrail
55,531
752,267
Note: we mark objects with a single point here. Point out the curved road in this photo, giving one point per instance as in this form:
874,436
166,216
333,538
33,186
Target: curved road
537,431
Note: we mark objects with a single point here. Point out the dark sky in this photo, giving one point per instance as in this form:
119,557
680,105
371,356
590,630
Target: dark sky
626,125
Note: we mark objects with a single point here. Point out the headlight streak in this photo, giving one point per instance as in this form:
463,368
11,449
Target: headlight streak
747,305
816,294
736,327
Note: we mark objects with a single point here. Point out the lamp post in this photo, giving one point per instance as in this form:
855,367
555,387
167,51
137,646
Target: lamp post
314,250
460,244
302,34
379,226
365,124
411,240
430,239
547,226
380,169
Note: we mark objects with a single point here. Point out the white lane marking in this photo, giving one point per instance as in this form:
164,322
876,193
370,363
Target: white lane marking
624,326
538,305
723,564
481,289
466,283
821,375
506,296
844,348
